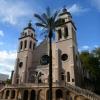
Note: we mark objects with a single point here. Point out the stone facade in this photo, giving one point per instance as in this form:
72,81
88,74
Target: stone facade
30,64
30,78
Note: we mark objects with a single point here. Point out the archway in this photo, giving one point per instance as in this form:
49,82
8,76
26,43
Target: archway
12,94
7,94
47,95
25,96
59,94
33,95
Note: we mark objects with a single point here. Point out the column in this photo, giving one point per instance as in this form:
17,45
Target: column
10,91
16,95
29,94
36,93
4,94
53,94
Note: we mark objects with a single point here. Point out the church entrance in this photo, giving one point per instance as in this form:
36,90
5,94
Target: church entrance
33,95
59,94
25,96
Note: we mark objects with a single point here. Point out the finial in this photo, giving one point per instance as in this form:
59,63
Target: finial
30,24
64,9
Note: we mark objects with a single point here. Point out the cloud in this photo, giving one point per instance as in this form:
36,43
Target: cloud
11,12
1,33
7,61
89,48
85,47
76,9
96,4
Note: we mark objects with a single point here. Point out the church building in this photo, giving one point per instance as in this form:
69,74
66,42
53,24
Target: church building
31,73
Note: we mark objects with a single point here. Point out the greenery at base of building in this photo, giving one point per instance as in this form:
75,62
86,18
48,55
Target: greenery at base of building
91,65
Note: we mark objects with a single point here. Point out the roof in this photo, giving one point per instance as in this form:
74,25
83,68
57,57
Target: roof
29,26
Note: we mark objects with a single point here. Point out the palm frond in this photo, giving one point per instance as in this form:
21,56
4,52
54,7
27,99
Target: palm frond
55,15
45,17
40,25
40,18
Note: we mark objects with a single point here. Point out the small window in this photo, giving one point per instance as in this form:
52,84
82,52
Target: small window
65,32
25,44
25,34
62,76
68,76
59,34
21,45
72,80
64,57
30,46
20,64
33,46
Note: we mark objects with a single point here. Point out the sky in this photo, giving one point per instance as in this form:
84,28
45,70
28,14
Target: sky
15,15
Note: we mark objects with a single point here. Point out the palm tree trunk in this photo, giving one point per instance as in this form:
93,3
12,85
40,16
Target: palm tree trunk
50,65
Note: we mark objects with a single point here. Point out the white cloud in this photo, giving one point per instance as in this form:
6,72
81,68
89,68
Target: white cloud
1,33
85,47
11,12
96,4
76,9
7,61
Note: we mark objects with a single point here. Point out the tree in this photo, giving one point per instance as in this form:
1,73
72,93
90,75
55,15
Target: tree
48,22
91,63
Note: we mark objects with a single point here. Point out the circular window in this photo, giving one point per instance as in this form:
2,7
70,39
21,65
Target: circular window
20,64
44,60
64,57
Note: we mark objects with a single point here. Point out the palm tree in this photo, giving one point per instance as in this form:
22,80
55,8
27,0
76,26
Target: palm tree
48,22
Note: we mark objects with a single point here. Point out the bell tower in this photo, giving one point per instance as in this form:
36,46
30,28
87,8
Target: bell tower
27,43
68,58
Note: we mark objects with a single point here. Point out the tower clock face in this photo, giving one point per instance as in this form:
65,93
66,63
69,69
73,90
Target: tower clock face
44,60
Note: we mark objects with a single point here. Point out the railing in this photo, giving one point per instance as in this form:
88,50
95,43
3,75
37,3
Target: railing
83,92
75,89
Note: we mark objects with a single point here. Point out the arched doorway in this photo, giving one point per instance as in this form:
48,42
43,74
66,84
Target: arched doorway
25,96
33,95
12,94
47,95
7,94
59,94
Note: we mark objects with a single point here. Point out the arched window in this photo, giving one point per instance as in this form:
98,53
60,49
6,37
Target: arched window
31,34
59,34
7,94
30,45
25,44
66,32
68,76
33,46
25,34
21,45
62,76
